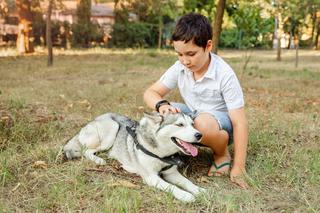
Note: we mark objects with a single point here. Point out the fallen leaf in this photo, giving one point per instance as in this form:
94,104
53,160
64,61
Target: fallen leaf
62,96
40,165
86,103
123,183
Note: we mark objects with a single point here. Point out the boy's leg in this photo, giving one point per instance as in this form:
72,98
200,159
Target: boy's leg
217,140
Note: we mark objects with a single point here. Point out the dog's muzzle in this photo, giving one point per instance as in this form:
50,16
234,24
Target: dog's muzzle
186,147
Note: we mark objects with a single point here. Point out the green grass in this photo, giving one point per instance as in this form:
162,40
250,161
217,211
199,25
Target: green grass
41,108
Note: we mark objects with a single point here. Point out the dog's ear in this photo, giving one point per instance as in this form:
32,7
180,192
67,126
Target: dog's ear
154,117
193,114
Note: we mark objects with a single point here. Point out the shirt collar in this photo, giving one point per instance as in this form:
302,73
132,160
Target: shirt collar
211,72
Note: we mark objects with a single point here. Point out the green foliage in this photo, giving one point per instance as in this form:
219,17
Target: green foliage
296,13
84,31
39,28
251,30
138,24
204,7
133,35
86,34
244,26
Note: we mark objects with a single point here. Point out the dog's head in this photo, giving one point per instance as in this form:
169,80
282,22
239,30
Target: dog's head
171,133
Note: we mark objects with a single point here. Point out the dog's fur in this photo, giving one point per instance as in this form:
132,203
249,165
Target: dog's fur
160,135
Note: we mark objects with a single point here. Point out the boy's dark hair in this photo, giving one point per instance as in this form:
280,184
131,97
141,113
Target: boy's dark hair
193,26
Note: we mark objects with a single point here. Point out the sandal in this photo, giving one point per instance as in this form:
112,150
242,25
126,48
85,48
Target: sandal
217,167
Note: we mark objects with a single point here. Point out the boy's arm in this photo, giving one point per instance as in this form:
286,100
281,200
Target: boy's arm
154,94
240,137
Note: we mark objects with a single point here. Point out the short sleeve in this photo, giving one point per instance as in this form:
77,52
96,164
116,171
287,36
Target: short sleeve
232,92
170,77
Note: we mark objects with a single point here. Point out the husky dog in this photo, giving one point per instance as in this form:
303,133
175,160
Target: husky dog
148,148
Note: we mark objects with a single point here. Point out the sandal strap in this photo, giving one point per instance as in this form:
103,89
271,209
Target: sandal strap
221,165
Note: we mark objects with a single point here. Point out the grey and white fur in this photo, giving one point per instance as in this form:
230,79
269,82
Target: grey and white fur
162,135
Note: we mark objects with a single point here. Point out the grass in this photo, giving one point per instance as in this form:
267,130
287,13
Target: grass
41,108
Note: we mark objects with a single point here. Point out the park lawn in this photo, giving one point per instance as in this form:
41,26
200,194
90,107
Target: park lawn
41,108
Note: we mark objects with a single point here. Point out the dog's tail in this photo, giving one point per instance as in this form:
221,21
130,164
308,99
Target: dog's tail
73,148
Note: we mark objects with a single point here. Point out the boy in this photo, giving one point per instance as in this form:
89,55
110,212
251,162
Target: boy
209,85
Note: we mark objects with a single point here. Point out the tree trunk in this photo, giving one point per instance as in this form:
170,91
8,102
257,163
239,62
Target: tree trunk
160,26
289,43
48,34
314,26
25,35
279,34
296,44
317,39
218,25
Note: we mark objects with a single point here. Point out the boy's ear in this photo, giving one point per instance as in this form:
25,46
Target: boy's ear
154,117
209,45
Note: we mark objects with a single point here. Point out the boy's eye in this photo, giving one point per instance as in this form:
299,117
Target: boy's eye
180,125
191,54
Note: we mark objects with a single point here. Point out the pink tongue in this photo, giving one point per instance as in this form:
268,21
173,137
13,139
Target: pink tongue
191,149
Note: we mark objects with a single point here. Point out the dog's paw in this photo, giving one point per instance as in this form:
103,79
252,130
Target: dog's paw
202,190
68,154
186,197
100,162
197,190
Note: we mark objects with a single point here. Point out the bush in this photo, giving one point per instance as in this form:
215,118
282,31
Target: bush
133,35
84,35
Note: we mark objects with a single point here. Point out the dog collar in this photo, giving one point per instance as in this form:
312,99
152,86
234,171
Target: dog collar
171,160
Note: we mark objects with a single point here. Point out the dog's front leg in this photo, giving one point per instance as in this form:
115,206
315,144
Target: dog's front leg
156,181
173,176
90,154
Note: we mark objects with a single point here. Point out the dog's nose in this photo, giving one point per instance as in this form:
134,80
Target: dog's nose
198,136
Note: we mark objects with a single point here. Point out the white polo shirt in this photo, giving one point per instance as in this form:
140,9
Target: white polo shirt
218,90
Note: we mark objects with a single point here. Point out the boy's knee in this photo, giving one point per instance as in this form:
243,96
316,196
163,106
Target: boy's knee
206,122
209,127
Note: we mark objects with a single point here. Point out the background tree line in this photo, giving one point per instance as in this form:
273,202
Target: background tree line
149,23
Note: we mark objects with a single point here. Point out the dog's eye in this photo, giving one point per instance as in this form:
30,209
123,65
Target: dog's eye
180,125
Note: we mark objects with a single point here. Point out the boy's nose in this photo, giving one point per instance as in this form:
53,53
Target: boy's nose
186,62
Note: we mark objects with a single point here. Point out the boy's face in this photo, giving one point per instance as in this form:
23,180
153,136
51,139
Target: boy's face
192,56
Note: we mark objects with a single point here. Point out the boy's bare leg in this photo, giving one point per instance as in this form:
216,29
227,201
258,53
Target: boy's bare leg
217,140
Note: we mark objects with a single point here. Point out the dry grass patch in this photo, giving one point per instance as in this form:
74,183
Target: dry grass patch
41,108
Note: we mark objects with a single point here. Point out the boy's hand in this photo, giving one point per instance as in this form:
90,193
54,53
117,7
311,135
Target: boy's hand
165,109
238,176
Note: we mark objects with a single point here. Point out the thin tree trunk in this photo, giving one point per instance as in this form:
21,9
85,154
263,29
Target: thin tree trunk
314,25
279,34
290,38
317,38
218,25
48,34
160,26
296,44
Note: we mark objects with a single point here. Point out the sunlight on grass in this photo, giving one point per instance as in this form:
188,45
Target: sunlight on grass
92,51
41,108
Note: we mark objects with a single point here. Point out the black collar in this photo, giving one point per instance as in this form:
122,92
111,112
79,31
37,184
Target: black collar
171,160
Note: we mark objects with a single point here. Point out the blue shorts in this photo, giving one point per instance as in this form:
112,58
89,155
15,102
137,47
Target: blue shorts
222,118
